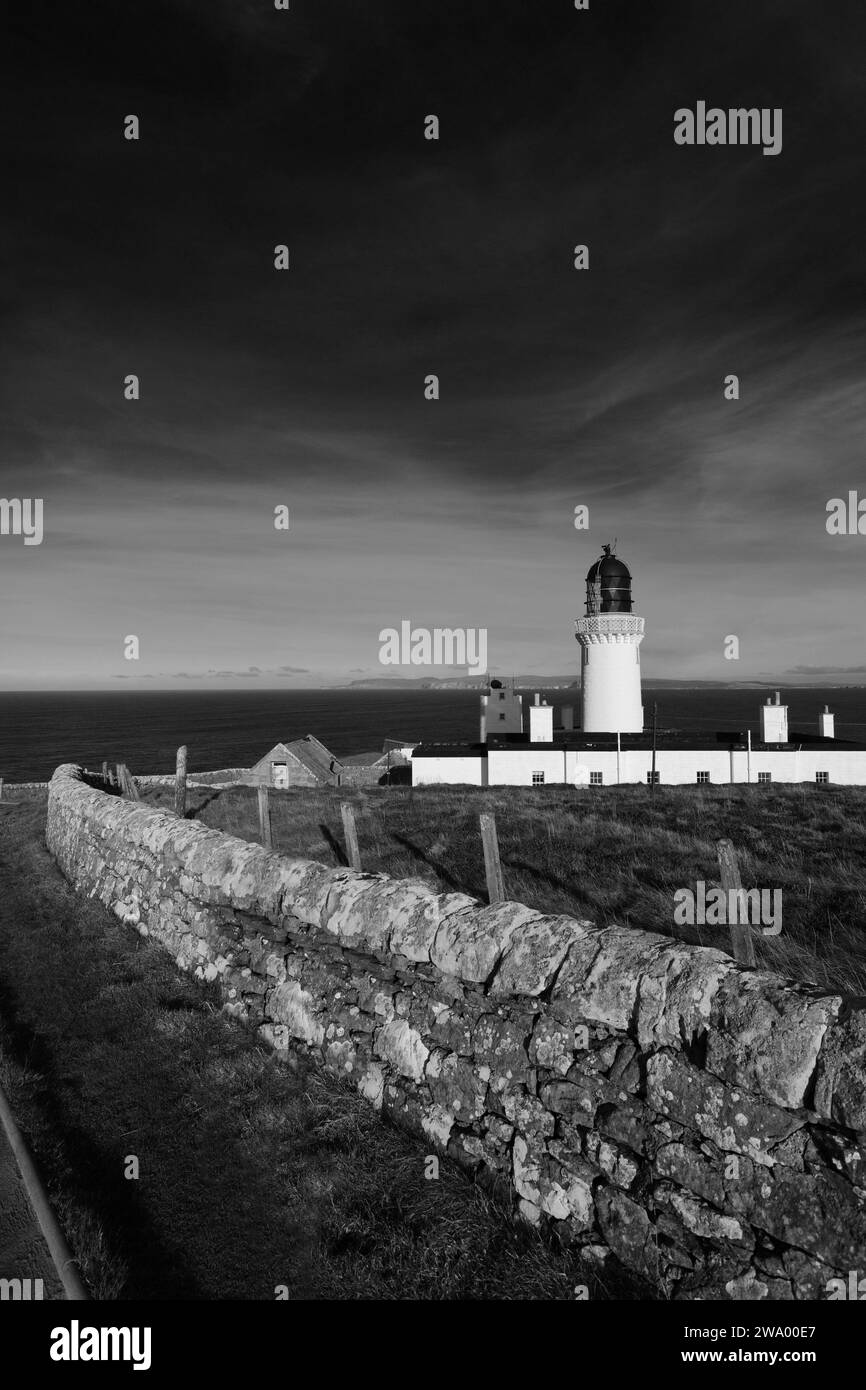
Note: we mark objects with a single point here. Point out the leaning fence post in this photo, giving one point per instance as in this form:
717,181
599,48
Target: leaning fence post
264,818
1,788
350,833
741,933
126,784
180,782
492,866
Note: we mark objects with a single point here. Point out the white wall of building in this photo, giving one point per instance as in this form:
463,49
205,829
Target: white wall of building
513,767
431,772
676,767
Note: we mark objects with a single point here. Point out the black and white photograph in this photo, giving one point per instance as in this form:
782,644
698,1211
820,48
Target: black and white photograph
432,667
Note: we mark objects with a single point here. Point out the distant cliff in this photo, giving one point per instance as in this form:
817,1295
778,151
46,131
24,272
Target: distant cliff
461,683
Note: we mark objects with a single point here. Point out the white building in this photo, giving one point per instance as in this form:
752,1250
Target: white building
501,711
612,746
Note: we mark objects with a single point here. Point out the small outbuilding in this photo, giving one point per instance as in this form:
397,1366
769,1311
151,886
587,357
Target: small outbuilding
304,762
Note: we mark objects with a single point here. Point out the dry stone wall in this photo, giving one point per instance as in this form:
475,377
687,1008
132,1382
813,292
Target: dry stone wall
654,1100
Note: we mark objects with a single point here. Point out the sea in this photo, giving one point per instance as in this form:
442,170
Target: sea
40,730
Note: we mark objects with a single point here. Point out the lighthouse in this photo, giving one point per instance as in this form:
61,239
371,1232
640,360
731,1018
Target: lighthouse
610,636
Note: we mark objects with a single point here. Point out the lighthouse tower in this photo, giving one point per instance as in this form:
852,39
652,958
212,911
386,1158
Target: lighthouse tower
610,636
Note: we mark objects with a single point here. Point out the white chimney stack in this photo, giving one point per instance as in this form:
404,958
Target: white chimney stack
826,723
774,721
540,722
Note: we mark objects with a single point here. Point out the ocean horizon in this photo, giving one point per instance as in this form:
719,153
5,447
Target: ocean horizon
39,730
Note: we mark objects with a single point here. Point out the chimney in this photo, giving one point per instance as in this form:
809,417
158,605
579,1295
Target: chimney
568,718
540,723
826,723
537,698
778,698
774,722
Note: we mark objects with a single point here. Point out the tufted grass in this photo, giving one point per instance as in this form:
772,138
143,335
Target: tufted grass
612,854
252,1174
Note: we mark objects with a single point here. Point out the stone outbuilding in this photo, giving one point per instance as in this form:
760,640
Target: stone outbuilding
304,762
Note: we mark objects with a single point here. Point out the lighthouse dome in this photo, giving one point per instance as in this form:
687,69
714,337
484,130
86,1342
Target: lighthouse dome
608,567
608,585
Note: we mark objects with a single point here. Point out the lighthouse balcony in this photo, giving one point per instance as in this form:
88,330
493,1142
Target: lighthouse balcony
609,627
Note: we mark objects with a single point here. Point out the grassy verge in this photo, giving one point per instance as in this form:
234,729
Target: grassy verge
611,854
251,1175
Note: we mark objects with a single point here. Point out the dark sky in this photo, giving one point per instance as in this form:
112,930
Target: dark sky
409,257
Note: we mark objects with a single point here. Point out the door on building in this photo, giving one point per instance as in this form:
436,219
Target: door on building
280,774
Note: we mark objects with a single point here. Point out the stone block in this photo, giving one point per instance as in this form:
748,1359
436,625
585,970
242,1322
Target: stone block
534,954
470,943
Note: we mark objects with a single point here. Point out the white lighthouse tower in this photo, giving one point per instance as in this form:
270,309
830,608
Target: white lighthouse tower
610,636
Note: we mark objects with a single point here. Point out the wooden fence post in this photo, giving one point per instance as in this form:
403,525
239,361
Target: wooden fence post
1,788
741,932
264,818
180,782
353,853
126,783
492,866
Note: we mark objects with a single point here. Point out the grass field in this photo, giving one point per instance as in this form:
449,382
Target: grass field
612,854
252,1175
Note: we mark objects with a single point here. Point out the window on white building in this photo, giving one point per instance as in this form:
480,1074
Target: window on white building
502,718
822,777
538,779
653,777
765,776
596,779
703,777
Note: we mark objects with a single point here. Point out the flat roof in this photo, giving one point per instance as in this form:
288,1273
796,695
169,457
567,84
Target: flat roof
451,750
